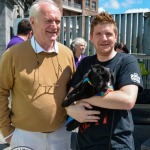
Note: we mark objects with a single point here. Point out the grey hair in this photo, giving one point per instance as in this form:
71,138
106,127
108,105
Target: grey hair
76,42
35,7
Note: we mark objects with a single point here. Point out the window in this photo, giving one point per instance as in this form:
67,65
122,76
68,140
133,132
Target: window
87,3
94,5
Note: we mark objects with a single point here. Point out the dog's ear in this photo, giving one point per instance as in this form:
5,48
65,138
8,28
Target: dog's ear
94,68
112,78
87,74
108,69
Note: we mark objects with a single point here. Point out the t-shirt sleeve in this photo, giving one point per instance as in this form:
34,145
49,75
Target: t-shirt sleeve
130,73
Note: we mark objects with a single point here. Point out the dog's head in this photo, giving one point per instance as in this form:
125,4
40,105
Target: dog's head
100,77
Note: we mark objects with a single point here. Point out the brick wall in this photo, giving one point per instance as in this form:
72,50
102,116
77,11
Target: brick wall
89,11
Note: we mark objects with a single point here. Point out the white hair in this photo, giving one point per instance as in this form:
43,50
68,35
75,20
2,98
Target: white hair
76,42
35,7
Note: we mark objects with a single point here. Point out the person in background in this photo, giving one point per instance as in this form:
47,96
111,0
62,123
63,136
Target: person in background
38,72
24,32
116,129
78,47
121,47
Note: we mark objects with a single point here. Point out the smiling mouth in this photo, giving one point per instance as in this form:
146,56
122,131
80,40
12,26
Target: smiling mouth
104,44
52,32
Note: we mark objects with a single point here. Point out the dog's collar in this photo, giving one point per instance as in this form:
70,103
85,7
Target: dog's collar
87,80
110,89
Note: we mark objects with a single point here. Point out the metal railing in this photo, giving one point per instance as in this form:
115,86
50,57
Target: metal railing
133,30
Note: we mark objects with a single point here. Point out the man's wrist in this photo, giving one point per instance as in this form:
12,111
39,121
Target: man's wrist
68,108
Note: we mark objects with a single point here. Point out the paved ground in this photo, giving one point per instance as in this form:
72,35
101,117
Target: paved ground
141,134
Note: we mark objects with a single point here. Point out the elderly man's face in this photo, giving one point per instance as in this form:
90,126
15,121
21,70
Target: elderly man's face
47,27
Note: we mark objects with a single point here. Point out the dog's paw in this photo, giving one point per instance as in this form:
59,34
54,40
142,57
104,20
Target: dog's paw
64,104
68,101
73,124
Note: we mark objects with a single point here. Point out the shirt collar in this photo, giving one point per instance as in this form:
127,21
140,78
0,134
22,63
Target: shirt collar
37,48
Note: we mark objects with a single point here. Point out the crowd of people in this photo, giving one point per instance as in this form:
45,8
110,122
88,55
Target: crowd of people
40,72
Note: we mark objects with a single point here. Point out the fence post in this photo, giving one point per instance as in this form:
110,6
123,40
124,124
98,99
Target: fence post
146,40
68,30
62,30
87,30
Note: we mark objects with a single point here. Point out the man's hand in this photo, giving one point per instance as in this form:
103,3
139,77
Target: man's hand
79,113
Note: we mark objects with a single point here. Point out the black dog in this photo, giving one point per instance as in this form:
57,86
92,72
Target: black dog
96,82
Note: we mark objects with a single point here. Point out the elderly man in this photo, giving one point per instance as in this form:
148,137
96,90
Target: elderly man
37,72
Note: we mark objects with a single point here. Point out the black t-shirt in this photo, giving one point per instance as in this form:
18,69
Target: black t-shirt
119,124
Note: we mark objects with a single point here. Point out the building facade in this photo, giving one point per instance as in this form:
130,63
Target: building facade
78,7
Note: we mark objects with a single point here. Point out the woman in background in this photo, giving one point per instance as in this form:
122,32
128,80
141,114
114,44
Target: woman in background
78,47
121,47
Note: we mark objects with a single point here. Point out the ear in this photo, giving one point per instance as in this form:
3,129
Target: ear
91,38
116,37
93,69
72,46
87,74
112,78
30,34
32,20
108,69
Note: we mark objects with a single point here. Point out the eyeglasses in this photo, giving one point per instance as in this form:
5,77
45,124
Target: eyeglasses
46,87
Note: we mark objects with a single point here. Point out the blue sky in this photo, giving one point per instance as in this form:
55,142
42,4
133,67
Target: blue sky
124,6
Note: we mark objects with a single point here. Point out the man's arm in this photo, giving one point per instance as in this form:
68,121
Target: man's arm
124,98
6,82
80,113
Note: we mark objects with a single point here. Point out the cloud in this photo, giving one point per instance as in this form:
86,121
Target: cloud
129,3
100,9
112,4
115,4
137,10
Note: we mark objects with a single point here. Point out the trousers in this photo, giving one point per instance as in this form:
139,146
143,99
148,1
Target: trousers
57,140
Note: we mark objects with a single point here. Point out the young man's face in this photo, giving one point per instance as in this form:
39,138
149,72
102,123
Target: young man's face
104,39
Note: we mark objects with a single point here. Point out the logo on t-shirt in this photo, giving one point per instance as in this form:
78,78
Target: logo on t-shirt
22,148
135,78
